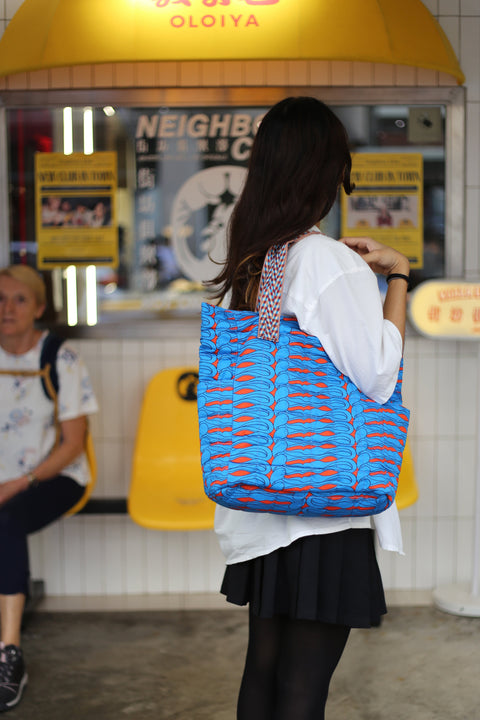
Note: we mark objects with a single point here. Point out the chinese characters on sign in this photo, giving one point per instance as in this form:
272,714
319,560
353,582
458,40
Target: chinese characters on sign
387,203
442,308
75,209
213,3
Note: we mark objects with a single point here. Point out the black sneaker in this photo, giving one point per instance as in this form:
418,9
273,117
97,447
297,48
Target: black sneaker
13,677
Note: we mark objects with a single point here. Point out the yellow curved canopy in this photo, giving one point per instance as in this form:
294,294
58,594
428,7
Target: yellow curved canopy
56,33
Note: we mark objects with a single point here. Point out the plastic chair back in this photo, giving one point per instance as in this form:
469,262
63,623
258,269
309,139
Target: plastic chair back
92,464
166,490
407,492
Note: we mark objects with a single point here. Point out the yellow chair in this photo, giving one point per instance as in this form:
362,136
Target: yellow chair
166,489
407,493
92,464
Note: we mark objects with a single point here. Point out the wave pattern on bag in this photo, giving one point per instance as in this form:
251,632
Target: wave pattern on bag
281,430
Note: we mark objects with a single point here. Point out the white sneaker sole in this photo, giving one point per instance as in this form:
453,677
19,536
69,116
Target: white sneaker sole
18,697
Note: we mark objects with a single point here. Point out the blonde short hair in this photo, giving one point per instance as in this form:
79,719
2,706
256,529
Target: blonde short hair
29,277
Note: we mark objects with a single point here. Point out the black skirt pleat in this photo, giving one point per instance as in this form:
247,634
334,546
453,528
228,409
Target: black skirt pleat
332,578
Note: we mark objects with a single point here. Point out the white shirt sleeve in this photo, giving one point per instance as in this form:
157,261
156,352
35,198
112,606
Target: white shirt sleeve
334,296
75,396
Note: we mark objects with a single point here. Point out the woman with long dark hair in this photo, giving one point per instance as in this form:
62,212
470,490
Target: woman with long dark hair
309,580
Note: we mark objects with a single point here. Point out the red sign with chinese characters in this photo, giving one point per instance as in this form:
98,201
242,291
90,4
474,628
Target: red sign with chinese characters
446,309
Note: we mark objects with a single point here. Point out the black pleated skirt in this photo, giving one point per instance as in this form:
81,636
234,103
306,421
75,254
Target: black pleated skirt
332,578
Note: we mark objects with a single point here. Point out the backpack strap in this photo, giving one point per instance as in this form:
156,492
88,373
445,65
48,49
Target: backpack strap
47,372
49,375
48,360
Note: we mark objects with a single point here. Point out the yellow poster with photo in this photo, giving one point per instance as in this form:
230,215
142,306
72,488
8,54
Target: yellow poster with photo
75,209
387,203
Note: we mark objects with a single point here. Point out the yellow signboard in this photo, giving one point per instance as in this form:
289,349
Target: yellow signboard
75,209
446,309
58,33
387,203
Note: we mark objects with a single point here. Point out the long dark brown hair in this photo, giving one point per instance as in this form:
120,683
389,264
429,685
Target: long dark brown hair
299,158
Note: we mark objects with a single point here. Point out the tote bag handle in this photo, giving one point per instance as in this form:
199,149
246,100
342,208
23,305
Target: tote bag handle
270,289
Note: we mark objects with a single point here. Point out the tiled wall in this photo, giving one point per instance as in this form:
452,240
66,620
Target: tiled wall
111,555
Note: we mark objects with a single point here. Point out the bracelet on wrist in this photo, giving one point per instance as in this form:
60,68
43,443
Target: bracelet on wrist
400,276
32,479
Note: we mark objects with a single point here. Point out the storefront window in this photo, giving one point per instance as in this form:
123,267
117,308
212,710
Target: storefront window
129,206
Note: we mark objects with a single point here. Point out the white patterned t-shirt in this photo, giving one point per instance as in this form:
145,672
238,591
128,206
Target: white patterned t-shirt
27,429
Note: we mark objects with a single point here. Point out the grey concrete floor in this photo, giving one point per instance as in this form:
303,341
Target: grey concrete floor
421,664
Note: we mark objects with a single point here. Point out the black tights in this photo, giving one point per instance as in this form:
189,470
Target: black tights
288,668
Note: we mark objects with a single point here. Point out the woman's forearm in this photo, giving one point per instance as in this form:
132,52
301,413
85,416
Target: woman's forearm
70,447
395,305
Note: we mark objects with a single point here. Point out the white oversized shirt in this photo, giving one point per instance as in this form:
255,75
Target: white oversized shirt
334,295
27,430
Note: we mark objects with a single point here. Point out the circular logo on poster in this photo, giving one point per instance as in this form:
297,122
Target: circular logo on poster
200,213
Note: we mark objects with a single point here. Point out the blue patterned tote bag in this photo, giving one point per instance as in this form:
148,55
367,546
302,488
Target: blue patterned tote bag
281,429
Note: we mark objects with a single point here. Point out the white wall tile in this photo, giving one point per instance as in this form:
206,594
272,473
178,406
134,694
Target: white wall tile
52,559
448,7
297,72
467,476
469,7
431,5
125,478
135,558
177,566
386,563
74,560
94,542
464,570
446,549
469,55
427,77
155,561
426,405
467,389
216,566
426,477
11,7
404,565
446,477
362,73
111,398
276,72
446,407
114,554
405,75
131,395
111,461
472,140
472,233
320,73
383,74
342,73
425,554
198,562
451,27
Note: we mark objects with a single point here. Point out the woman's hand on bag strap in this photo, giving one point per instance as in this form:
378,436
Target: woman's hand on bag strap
387,261
383,259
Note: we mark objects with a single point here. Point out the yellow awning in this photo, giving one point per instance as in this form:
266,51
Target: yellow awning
56,33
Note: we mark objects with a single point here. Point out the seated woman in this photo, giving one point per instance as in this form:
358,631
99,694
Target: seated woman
43,473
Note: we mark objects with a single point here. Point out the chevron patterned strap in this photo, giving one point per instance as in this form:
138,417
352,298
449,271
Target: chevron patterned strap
270,290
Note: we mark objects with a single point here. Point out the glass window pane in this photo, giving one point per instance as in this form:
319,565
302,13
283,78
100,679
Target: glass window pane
179,171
